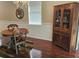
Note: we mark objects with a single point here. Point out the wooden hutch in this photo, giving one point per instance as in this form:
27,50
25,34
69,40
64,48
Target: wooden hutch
65,24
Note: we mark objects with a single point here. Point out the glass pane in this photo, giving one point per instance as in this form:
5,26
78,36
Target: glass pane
34,3
34,11
57,19
66,19
34,18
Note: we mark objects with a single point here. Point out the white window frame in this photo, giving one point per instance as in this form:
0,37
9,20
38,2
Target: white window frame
35,23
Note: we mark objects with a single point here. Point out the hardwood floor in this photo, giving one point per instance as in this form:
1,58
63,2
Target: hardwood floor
48,50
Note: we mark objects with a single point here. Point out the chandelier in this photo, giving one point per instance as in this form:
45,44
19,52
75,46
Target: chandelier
20,4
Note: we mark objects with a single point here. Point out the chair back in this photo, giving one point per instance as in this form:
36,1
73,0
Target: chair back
21,34
12,26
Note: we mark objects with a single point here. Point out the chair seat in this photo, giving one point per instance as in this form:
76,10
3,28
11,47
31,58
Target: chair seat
28,41
20,43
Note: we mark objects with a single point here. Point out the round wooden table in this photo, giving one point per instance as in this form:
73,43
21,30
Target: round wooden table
11,33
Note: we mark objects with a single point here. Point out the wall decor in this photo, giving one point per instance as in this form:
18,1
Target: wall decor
19,13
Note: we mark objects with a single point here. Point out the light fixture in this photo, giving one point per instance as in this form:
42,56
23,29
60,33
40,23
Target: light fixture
20,4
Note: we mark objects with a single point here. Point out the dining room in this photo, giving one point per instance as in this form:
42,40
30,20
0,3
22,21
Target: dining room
26,30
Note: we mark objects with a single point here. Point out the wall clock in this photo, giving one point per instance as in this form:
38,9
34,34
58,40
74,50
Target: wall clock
19,13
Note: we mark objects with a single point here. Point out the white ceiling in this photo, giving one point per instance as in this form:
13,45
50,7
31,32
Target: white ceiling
53,2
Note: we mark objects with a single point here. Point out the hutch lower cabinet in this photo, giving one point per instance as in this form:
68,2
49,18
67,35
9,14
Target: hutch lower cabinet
65,25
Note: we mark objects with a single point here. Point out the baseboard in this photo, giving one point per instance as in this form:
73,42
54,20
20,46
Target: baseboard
42,38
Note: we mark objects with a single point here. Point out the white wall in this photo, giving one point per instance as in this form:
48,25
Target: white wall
43,31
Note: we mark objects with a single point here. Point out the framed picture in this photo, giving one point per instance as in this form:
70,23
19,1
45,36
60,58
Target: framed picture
19,13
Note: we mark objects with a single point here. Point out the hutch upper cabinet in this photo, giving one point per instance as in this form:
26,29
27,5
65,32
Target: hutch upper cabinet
65,25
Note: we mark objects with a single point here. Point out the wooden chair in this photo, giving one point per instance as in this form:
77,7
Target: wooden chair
12,26
7,34
20,41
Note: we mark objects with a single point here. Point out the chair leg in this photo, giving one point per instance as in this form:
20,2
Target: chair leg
17,50
16,46
27,50
9,45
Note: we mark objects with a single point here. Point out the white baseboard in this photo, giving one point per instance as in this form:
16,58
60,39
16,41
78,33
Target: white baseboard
39,37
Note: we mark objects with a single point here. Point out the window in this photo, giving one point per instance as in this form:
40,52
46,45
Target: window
34,12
